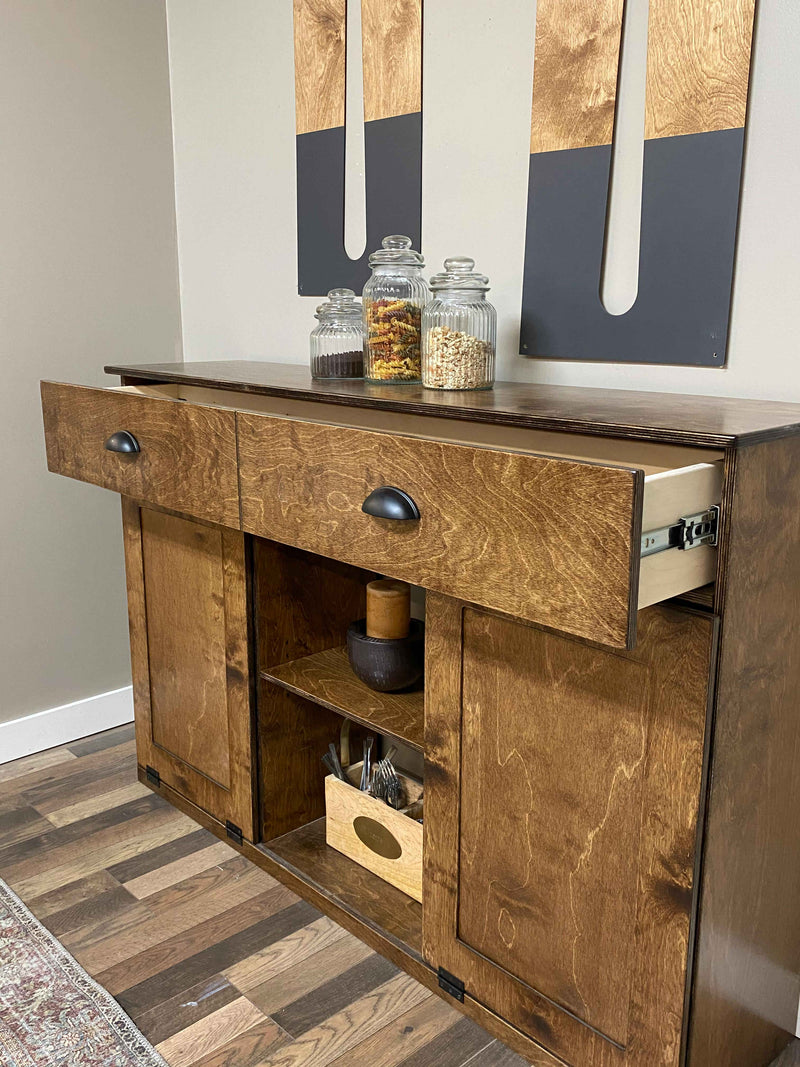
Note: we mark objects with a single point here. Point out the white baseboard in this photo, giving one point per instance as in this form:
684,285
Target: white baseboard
58,726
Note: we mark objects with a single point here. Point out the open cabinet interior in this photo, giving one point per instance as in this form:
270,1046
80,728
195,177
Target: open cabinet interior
308,697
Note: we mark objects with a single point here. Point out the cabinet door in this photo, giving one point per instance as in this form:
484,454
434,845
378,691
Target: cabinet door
187,604
562,790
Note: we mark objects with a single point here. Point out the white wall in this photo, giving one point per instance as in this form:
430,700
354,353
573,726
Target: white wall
87,276
233,115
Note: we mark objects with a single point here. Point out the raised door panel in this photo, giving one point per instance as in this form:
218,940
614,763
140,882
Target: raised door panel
187,594
563,785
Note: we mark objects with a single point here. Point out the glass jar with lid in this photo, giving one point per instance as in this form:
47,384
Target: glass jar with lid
337,343
393,300
459,329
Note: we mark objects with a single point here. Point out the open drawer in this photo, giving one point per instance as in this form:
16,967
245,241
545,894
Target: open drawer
152,448
544,526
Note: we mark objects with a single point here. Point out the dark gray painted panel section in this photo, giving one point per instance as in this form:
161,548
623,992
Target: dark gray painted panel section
690,209
393,161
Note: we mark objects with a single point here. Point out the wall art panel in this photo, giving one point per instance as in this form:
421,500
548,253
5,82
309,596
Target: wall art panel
392,73
698,66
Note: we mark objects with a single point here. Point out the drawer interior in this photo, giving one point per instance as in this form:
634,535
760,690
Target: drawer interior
679,481
649,456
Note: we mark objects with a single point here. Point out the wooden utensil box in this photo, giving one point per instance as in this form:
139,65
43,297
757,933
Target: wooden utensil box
385,841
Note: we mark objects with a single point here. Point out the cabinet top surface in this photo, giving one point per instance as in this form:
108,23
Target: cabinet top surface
704,420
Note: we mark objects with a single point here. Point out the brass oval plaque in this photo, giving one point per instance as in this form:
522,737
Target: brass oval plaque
377,838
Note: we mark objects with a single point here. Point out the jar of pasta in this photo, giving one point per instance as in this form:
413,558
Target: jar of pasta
393,300
459,328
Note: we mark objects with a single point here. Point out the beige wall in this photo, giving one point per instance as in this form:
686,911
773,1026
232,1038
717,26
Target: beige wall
233,113
87,275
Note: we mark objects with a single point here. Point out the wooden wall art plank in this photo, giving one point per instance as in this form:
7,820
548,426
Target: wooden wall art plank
575,74
698,69
392,69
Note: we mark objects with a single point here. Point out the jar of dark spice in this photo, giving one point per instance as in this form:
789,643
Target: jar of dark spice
393,300
459,328
337,343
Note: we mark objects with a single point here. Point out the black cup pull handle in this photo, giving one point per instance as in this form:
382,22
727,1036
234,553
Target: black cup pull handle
122,441
388,502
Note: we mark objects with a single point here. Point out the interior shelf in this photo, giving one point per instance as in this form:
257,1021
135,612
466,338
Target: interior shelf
305,853
326,678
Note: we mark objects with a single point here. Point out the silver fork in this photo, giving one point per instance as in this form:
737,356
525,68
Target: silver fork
366,767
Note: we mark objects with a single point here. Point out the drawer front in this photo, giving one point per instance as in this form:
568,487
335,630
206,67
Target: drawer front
187,457
550,540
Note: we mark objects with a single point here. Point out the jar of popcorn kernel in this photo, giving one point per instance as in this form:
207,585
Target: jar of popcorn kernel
393,300
459,329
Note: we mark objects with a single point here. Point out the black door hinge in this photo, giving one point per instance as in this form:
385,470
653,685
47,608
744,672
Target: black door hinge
450,984
152,775
233,832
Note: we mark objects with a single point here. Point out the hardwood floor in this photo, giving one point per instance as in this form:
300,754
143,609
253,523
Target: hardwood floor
218,964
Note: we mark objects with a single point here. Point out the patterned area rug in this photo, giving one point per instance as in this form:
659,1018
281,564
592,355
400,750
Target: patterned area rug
52,1014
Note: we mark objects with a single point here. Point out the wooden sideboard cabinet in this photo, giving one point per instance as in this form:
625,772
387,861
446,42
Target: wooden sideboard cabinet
609,731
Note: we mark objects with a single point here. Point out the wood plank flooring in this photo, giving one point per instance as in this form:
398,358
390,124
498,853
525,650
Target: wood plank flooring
218,964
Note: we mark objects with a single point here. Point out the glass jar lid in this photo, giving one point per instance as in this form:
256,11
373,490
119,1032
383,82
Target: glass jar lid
459,274
341,304
397,250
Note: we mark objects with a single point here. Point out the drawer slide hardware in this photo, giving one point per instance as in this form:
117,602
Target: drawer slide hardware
233,832
451,985
152,775
689,532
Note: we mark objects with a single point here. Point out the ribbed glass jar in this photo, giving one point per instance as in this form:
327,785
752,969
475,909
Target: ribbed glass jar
459,330
337,343
393,299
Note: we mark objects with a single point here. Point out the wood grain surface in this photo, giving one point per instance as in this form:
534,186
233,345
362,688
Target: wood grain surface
188,453
184,593
377,903
548,540
705,421
345,804
303,602
319,64
328,679
748,951
558,879
304,605
698,66
293,735
189,631
391,33
698,69
575,73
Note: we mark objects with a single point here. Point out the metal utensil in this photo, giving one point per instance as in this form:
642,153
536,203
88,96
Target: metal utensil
380,779
326,759
336,764
395,794
366,766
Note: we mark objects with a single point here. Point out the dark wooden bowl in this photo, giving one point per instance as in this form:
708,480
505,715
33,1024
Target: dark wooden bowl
386,665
